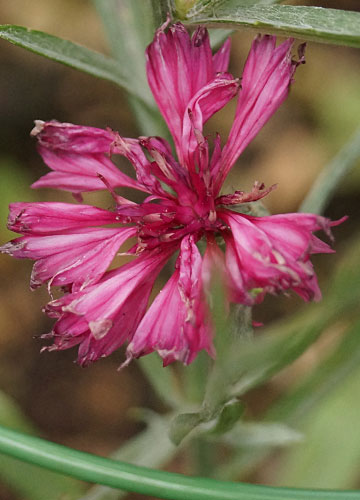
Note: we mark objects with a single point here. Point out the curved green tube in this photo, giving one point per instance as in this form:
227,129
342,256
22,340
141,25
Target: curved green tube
156,483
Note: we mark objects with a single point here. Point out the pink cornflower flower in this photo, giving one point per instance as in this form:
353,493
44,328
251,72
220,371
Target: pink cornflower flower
74,244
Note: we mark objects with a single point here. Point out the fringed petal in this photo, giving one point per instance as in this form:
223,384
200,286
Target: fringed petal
176,325
273,253
265,84
80,157
102,317
178,67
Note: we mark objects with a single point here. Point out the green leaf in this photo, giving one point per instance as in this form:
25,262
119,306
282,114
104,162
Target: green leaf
217,422
330,177
184,423
250,435
250,363
310,23
73,55
203,6
232,412
291,409
129,27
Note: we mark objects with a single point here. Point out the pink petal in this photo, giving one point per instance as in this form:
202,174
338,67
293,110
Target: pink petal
79,156
207,101
53,217
175,325
81,172
221,58
77,258
165,168
102,316
83,266
171,59
273,252
293,232
71,138
178,68
265,84
257,193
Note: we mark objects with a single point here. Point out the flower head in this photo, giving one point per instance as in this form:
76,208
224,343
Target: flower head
74,244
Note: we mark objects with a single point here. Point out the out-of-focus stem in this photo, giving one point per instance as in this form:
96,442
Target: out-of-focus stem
204,457
161,9
329,178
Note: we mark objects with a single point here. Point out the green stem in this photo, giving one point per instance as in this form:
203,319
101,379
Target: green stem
143,480
203,456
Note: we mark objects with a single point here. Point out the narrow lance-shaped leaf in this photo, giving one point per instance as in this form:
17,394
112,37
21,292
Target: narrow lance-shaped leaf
71,54
310,23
